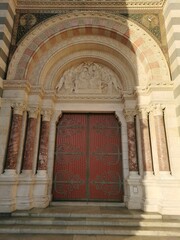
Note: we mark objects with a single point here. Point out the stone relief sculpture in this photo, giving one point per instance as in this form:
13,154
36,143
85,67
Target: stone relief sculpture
89,78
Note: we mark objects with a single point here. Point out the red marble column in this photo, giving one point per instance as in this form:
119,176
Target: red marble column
15,135
30,139
44,140
161,139
133,165
145,141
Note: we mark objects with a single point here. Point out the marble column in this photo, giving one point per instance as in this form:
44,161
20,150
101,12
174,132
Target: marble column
161,138
145,141
131,132
15,135
44,140
40,191
30,139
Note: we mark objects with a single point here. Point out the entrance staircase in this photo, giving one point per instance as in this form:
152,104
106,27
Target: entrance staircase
88,222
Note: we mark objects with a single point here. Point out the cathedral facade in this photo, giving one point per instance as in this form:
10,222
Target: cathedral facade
90,103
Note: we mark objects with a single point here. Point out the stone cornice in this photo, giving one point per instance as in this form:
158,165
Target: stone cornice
111,4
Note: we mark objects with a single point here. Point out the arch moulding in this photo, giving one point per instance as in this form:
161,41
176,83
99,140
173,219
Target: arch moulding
58,29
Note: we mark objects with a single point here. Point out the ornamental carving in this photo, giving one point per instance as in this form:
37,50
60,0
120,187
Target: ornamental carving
89,78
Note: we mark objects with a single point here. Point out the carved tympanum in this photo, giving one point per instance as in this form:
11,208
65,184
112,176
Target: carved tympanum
89,78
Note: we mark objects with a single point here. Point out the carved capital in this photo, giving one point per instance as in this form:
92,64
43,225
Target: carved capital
19,108
129,115
157,109
47,113
143,112
33,112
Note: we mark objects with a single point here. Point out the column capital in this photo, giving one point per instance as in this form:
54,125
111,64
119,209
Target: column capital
157,109
129,114
33,111
47,113
19,107
143,112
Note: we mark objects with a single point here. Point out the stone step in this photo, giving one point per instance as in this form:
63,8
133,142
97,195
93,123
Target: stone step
90,230
86,215
89,222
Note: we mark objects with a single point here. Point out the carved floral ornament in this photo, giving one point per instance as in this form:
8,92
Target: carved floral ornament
89,78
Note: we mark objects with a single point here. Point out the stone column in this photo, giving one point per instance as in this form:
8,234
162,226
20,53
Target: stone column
133,165
40,192
161,138
30,139
145,141
15,135
44,140
134,196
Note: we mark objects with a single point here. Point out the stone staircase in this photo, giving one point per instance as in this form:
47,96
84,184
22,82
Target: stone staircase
89,221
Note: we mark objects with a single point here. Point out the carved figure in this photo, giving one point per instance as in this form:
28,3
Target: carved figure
89,78
67,80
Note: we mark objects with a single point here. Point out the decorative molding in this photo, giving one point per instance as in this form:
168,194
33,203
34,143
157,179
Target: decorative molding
17,84
90,4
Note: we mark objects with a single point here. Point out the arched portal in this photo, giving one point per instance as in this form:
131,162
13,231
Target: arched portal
78,63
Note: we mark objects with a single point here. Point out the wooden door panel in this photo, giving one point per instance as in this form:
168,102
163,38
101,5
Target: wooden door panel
88,163
70,158
105,158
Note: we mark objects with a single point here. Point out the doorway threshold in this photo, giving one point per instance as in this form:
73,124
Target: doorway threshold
103,204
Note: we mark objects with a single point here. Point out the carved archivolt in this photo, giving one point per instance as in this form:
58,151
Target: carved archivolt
140,43
89,78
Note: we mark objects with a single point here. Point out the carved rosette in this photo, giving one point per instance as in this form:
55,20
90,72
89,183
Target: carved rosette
131,132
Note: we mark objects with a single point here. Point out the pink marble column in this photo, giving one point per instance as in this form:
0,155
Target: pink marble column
44,141
145,141
15,135
30,139
133,165
161,138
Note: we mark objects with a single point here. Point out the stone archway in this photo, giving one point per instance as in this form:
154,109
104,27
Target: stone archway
66,43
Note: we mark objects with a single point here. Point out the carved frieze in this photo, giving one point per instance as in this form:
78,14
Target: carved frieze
89,78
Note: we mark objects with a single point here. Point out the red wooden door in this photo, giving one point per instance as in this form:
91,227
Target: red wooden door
88,163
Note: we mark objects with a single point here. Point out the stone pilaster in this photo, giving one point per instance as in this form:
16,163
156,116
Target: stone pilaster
15,135
133,165
30,139
145,140
161,138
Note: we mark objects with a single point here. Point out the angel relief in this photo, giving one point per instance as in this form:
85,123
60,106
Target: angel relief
89,78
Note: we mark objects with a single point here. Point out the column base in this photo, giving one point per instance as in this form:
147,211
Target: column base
40,193
8,187
24,198
134,191
151,193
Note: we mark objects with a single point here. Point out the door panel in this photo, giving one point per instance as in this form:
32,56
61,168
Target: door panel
70,158
105,158
88,163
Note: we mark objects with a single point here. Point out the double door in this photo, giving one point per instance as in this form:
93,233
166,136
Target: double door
88,159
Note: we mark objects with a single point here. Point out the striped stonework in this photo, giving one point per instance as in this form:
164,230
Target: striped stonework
7,12
172,22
